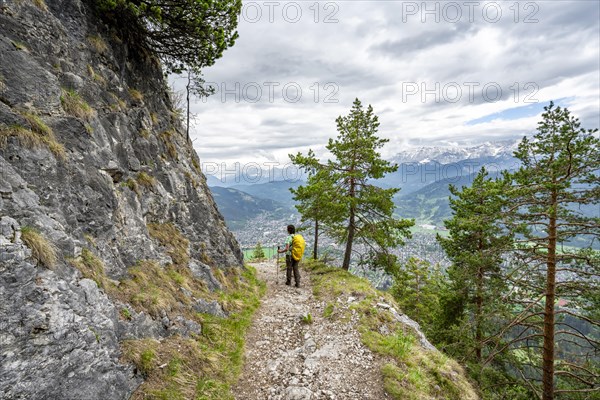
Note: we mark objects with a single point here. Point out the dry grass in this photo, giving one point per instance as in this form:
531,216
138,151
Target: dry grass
166,137
146,180
37,136
178,247
74,105
118,104
2,84
20,46
45,134
196,165
95,76
41,4
98,44
136,95
133,185
154,118
42,250
91,267
154,289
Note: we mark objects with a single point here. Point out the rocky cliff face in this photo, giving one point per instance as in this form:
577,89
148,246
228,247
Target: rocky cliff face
94,170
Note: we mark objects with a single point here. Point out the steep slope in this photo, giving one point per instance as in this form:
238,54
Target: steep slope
108,230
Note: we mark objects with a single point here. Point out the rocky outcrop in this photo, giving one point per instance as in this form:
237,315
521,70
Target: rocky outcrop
91,153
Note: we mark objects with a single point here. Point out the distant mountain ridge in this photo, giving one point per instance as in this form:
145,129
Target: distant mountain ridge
454,154
423,175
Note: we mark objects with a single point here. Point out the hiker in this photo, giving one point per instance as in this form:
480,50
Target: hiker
290,262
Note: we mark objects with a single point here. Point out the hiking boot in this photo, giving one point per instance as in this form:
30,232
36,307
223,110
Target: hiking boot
288,283
297,285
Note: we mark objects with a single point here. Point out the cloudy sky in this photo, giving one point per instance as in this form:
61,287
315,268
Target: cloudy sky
436,73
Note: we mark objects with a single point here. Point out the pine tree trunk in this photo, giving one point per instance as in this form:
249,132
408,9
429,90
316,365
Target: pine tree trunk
351,227
346,264
478,317
316,239
479,305
548,352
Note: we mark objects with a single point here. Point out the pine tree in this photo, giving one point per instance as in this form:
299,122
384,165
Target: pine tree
416,288
476,245
557,181
258,253
359,209
313,201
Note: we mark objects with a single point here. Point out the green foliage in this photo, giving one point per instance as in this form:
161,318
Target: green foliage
206,365
146,363
356,208
189,34
258,253
471,302
416,287
125,313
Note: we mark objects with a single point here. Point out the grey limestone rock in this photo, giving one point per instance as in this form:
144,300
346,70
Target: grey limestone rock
60,334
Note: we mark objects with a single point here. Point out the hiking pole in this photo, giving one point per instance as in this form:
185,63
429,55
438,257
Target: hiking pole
277,266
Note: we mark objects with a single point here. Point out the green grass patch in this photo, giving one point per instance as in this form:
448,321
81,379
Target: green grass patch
307,319
133,185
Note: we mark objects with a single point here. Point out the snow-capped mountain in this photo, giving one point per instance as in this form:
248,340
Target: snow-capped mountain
453,154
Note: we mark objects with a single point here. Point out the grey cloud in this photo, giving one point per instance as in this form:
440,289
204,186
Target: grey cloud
423,41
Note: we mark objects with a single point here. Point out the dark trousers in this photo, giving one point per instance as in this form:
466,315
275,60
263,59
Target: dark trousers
291,265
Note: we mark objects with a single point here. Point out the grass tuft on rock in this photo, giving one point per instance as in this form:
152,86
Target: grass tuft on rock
136,95
98,44
178,247
39,134
74,105
42,250
146,180
41,4
411,372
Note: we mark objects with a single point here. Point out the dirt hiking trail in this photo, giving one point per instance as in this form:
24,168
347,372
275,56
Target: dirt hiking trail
287,358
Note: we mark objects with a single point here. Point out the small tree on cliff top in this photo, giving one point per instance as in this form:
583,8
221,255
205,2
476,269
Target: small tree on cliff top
185,34
358,208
